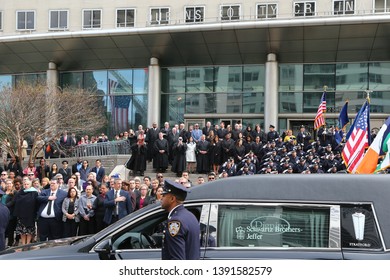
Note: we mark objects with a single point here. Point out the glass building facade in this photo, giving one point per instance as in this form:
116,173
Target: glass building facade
214,92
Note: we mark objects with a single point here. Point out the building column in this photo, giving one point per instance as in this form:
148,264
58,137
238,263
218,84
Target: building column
154,92
52,77
271,96
52,82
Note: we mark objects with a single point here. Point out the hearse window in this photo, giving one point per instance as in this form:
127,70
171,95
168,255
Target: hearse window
273,226
358,228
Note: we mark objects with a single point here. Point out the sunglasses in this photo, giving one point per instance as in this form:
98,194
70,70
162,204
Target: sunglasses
160,176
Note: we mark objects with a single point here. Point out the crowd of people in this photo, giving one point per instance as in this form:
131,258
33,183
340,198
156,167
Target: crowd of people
47,203
231,151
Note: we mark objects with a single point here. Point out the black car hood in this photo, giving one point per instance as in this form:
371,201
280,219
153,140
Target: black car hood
43,245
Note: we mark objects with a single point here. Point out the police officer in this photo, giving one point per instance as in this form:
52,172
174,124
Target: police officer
182,233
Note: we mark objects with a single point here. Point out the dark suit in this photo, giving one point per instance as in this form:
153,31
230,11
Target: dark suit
124,207
66,173
50,228
99,174
4,218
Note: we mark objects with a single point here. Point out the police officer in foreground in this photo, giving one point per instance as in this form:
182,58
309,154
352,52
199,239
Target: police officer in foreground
182,233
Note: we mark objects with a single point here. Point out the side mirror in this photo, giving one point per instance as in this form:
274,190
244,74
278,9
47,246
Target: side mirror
104,250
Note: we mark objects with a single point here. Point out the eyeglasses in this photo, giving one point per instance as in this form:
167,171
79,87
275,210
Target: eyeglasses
160,176
28,174
211,178
3,174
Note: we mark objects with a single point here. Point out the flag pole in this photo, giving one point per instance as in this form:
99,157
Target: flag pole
325,87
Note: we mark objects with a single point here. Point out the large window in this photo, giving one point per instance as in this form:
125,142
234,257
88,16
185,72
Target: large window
125,18
267,10
304,9
92,19
382,6
123,93
25,20
273,226
159,16
194,14
58,20
316,76
230,12
344,7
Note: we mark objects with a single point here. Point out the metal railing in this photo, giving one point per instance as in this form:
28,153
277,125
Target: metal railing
120,147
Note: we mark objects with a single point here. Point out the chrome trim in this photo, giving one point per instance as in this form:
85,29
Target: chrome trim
379,229
335,227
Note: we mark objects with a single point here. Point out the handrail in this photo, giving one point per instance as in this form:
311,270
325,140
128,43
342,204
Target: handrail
120,147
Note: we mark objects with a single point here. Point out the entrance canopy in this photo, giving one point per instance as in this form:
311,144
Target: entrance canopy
314,40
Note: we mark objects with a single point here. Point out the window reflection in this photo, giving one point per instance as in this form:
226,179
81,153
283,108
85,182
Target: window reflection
253,102
199,79
228,78
316,76
140,78
202,103
173,80
351,76
120,82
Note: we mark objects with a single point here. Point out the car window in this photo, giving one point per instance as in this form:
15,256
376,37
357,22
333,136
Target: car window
273,226
147,233
359,228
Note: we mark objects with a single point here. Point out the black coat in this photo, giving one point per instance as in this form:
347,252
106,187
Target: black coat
179,157
160,160
137,160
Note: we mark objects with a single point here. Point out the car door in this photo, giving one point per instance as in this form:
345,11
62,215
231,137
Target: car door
142,238
274,231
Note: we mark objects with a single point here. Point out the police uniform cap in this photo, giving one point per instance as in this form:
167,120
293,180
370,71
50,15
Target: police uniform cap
271,126
302,126
175,189
289,167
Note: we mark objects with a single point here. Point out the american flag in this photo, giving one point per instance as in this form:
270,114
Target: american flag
356,144
120,107
320,118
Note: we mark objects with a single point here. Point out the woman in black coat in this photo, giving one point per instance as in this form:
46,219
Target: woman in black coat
137,161
179,157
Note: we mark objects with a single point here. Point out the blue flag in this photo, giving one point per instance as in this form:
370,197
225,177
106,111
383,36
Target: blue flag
343,117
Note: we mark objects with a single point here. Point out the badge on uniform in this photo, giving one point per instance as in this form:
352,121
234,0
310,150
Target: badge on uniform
173,228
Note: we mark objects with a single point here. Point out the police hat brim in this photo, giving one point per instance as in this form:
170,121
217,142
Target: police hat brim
176,189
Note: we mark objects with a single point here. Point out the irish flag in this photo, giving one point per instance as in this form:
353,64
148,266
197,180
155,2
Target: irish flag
380,145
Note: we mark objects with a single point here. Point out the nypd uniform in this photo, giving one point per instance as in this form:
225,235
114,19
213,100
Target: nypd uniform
181,234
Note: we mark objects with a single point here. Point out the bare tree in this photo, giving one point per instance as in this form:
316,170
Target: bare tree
31,111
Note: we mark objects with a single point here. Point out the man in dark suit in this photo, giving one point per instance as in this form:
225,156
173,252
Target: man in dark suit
65,171
151,137
50,212
4,218
65,143
77,166
117,203
99,170
42,169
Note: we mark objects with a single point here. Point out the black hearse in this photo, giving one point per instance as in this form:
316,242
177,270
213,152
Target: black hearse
295,216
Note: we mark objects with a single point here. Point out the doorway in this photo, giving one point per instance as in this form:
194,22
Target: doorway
296,124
